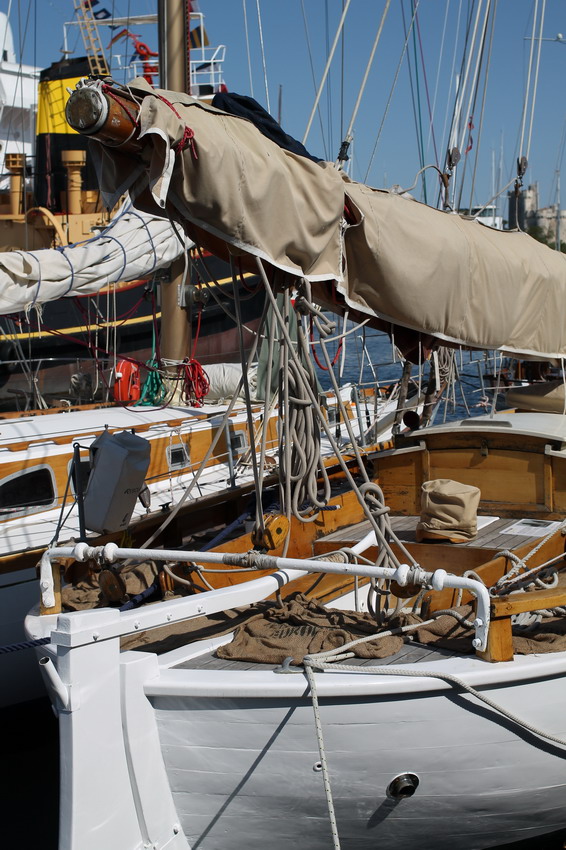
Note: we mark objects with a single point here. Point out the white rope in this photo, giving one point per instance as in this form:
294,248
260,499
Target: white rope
263,56
453,77
528,83
446,677
520,563
391,92
326,70
438,67
248,47
474,79
368,69
462,87
535,84
482,110
288,348
309,50
323,763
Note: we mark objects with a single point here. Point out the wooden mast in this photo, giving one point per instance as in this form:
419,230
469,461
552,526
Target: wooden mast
174,75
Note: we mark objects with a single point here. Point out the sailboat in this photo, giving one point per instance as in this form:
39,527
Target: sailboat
394,673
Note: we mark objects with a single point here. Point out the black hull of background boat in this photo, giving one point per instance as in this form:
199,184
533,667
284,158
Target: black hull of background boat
68,355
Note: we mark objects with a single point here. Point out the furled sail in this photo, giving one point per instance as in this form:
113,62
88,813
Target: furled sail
133,246
430,271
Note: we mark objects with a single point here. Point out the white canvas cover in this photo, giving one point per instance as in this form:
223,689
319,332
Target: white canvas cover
133,246
409,264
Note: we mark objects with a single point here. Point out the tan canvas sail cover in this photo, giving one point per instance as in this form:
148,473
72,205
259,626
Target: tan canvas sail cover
405,262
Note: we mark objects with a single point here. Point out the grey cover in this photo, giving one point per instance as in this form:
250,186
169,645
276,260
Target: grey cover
119,466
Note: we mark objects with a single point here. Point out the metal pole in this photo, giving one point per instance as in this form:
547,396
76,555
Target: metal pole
78,480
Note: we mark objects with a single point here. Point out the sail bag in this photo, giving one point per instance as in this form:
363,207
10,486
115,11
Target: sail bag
427,270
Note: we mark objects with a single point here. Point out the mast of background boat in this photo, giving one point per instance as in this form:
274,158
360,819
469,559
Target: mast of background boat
174,74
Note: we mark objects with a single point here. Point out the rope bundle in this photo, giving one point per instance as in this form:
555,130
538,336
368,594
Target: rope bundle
195,382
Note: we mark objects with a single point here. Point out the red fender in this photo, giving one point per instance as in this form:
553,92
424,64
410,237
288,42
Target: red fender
127,383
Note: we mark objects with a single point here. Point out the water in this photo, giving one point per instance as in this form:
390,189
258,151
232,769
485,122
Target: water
370,357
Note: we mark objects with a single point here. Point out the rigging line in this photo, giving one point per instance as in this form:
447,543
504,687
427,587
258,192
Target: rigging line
419,143
430,118
342,69
19,88
470,49
476,74
329,98
417,84
248,46
473,95
247,393
528,83
455,79
535,83
368,68
458,89
221,430
439,65
263,56
326,69
453,82
309,49
485,82
460,92
390,98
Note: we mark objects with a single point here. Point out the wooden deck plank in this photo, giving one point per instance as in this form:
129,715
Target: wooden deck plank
493,536
410,653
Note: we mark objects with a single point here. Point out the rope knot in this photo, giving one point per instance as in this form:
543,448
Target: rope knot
187,139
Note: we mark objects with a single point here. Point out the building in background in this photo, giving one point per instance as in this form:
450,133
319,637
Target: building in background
540,222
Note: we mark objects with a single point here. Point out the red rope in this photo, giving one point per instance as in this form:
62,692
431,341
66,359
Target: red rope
198,331
133,118
188,134
195,382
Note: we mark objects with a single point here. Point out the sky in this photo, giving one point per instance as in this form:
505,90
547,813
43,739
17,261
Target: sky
404,115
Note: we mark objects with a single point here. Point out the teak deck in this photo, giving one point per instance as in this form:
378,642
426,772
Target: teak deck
493,536
483,549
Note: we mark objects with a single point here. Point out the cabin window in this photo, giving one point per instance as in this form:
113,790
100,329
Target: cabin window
27,492
332,416
238,442
178,456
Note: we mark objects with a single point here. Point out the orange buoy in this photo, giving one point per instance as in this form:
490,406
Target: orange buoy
127,383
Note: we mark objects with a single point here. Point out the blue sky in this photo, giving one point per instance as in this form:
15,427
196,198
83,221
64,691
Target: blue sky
398,155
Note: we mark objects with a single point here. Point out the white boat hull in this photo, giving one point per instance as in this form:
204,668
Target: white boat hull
250,768
187,756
